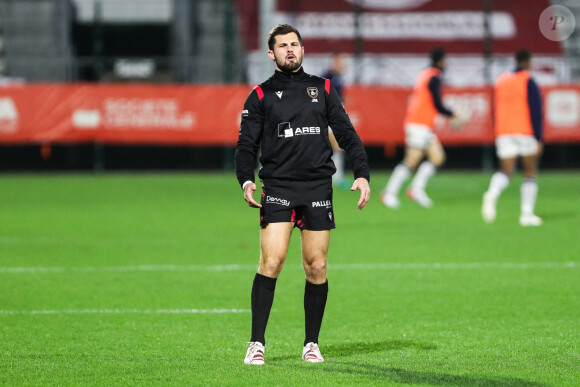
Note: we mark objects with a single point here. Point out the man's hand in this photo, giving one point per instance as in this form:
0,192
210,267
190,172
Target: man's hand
249,195
457,121
540,149
365,191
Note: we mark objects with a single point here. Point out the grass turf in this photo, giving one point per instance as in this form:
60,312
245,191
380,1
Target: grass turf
99,276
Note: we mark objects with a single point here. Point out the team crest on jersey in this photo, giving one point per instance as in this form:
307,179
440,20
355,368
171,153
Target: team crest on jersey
313,93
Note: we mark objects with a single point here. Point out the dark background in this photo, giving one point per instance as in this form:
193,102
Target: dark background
99,157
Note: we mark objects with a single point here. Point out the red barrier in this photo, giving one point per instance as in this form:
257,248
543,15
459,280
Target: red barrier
133,114
378,114
562,113
210,115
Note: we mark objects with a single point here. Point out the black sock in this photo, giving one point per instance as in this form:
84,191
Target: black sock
262,299
314,304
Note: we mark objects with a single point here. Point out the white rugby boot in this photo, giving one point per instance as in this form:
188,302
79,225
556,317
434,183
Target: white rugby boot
311,353
419,197
530,220
488,208
389,200
255,353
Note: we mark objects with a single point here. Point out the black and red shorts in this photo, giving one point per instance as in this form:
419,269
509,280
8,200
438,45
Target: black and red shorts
306,203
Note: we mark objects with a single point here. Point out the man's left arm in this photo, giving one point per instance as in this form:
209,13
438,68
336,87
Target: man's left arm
535,105
435,89
349,140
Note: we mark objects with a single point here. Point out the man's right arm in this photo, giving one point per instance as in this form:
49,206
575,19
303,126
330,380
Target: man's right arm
249,138
435,89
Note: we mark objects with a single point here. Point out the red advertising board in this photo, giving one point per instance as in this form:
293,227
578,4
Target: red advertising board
121,113
210,115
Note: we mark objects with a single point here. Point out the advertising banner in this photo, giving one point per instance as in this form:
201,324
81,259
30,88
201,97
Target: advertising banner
135,114
210,114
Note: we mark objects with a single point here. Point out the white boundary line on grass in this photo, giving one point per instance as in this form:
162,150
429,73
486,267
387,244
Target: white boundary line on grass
331,266
123,311
454,266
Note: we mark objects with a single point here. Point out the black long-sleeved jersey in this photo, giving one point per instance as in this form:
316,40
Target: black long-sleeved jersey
287,117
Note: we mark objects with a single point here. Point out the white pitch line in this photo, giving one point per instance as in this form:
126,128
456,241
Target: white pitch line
92,269
4,239
453,266
124,311
331,266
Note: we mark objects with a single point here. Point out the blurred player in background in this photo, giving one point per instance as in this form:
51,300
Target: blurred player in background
420,140
518,129
334,74
287,118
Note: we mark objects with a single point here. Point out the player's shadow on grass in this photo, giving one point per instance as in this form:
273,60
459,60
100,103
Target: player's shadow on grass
561,215
334,355
399,375
348,349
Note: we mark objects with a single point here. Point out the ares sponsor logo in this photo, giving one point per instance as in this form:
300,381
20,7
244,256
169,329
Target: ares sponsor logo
322,203
273,200
285,130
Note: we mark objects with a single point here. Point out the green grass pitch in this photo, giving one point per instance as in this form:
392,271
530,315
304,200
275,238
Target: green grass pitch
144,279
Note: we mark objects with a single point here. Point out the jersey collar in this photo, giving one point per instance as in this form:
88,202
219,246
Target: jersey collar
283,76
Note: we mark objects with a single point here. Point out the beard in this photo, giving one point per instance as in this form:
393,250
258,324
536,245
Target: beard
288,67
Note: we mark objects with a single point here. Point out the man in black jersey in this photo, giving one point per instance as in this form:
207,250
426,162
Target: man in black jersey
287,118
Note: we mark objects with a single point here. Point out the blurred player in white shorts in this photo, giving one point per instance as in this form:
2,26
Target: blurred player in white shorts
518,127
420,141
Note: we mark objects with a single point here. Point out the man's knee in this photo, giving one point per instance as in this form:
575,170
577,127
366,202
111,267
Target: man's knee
412,162
317,265
315,270
437,160
530,166
271,266
436,155
506,166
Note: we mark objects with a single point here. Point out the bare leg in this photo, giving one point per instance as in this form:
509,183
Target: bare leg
436,153
314,253
507,166
274,241
530,166
413,157
435,158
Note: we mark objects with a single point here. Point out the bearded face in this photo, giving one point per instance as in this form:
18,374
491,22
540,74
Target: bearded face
287,53
289,63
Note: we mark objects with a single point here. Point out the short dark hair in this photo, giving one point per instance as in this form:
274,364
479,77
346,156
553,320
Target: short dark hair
523,55
437,54
281,29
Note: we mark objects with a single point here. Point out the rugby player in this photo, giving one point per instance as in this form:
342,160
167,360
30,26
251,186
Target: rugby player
287,118
420,140
519,133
